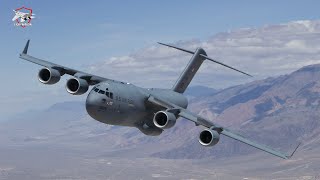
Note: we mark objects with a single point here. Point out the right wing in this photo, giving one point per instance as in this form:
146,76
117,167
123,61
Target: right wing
209,124
92,79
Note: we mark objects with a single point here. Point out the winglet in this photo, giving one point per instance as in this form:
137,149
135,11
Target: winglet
288,157
25,50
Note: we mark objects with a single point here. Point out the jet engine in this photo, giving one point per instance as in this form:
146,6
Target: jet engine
209,137
164,119
49,76
77,86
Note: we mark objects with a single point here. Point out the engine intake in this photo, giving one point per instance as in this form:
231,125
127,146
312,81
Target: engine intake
164,119
209,137
49,76
77,86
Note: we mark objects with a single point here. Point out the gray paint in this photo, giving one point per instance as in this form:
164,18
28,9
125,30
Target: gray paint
189,72
128,107
134,106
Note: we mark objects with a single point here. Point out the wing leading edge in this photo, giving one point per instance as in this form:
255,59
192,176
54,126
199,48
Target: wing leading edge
209,124
92,79
15,17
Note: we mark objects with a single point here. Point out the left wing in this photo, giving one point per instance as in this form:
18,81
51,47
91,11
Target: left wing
91,79
15,17
209,124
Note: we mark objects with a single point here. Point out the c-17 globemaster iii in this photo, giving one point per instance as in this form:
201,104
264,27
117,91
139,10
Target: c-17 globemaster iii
151,110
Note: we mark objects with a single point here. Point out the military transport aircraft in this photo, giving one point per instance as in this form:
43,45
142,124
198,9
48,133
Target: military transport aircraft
23,16
151,110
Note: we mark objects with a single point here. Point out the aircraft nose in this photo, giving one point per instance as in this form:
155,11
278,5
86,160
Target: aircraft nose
91,104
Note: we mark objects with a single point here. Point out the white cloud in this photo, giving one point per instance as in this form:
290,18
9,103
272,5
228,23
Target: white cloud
267,51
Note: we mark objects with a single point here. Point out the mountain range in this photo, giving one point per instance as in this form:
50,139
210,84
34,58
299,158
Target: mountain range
279,111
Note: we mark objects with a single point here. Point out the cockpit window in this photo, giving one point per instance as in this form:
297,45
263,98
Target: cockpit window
101,92
109,94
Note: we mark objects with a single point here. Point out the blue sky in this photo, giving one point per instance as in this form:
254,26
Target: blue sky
79,33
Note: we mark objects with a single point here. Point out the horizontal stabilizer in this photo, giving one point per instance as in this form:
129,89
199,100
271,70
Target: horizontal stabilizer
206,57
210,59
191,52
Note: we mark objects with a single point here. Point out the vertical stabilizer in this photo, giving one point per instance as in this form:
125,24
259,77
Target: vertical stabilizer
194,64
189,72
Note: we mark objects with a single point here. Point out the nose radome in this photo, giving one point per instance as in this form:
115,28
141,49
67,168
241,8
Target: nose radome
91,103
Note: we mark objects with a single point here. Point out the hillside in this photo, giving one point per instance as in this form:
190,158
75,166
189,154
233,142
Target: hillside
277,111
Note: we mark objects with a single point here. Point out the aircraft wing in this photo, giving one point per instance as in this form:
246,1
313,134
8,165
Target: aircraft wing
209,124
92,79
15,17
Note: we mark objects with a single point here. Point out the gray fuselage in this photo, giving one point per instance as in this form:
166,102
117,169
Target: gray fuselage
124,104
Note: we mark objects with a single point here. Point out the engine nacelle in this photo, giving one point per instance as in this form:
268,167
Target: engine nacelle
164,119
209,137
77,86
49,76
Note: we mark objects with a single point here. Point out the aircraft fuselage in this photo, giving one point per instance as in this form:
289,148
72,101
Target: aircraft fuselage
119,103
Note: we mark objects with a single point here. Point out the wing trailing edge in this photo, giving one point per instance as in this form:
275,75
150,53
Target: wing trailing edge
198,120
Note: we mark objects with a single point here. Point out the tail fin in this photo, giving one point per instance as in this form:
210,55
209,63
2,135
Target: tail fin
194,64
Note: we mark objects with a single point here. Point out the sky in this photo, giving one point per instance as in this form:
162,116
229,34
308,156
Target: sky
93,35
